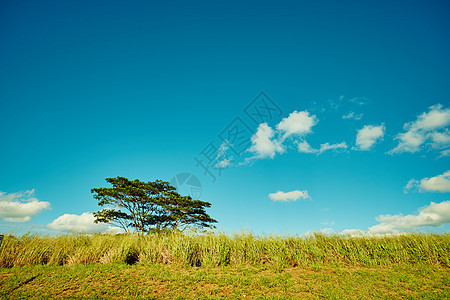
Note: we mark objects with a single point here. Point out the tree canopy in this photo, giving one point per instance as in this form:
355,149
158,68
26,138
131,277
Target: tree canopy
149,206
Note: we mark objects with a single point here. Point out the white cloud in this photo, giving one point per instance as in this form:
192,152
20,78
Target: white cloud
360,100
352,232
411,184
433,215
223,149
436,118
327,223
352,115
224,163
267,142
304,147
21,206
327,230
80,223
439,139
349,104
425,131
410,141
368,136
297,123
334,147
445,153
223,160
335,104
263,143
439,183
289,196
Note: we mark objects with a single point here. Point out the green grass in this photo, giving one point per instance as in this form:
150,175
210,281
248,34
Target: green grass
187,266
156,281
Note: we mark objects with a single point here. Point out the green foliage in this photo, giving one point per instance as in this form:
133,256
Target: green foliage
149,206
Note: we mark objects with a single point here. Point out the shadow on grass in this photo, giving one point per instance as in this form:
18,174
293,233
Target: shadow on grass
5,295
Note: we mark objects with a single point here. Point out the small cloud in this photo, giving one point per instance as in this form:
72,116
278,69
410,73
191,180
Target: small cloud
368,136
410,141
223,149
433,215
445,153
267,142
411,184
353,232
335,104
263,143
343,105
327,223
429,129
289,196
352,115
436,118
327,230
359,100
334,147
439,140
222,158
439,183
21,206
114,230
304,147
224,163
81,223
297,124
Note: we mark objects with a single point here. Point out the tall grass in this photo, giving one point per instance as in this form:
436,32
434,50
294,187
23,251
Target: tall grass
221,249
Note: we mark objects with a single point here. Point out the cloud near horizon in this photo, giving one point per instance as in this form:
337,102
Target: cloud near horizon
81,223
21,206
433,215
289,196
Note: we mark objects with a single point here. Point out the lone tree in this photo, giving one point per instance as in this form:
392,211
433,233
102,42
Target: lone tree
147,206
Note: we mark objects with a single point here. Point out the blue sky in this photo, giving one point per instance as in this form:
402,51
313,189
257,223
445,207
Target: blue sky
106,89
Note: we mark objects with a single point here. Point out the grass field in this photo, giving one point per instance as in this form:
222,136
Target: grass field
191,266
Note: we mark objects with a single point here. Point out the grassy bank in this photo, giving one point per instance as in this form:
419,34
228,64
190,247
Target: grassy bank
215,266
157,281
216,250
